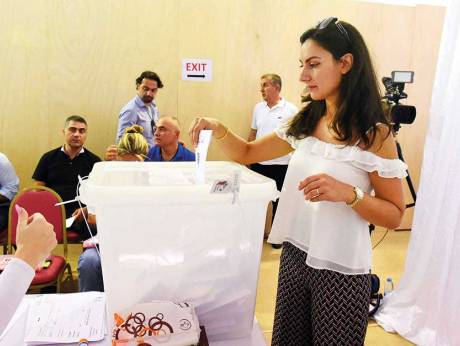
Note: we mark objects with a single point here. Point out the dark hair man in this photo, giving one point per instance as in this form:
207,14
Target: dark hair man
59,168
142,109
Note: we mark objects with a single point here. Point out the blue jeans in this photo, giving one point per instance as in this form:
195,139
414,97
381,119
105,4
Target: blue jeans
90,271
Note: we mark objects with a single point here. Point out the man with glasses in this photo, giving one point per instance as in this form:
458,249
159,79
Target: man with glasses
59,168
142,109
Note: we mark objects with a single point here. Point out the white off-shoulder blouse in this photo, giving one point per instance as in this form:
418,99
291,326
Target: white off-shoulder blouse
333,235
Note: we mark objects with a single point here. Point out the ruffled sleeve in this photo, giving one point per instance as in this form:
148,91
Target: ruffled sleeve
386,168
281,132
365,160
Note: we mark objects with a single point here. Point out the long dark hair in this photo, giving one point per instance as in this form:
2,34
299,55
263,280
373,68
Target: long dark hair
359,109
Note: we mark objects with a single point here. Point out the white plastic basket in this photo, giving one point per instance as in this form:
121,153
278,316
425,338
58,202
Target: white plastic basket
163,237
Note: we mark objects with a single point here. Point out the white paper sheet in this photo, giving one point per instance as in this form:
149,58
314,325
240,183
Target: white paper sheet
69,221
201,152
65,318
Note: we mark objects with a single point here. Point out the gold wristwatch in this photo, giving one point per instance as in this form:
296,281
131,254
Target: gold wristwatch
359,195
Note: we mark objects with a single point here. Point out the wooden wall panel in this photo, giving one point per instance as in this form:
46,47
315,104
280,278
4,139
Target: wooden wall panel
64,57
78,57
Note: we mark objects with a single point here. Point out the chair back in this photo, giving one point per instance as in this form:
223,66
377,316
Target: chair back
39,199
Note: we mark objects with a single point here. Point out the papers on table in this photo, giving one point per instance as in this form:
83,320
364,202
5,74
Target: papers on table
65,318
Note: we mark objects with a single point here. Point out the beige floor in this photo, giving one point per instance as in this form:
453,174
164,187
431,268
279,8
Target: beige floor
388,260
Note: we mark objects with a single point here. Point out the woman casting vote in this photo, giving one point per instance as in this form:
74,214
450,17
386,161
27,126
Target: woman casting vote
344,173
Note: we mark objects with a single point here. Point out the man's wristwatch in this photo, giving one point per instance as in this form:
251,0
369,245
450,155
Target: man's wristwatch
359,195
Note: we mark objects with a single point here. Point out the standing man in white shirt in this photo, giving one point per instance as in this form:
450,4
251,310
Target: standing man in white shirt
266,117
142,109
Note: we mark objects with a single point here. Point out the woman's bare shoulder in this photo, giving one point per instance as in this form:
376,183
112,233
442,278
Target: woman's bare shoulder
384,144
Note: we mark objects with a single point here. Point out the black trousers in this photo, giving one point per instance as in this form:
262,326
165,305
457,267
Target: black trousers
318,306
275,172
81,228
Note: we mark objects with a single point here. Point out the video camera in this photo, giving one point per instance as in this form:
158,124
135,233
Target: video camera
394,91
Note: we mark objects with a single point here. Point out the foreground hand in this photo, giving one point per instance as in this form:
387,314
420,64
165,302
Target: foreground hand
35,238
322,187
111,153
199,124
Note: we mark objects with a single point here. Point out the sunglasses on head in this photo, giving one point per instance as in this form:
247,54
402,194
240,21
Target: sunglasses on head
326,22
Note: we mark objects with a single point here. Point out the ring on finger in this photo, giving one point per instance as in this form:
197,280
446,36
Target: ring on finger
317,193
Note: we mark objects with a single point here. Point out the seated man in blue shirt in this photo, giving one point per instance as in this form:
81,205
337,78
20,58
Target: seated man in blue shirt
167,146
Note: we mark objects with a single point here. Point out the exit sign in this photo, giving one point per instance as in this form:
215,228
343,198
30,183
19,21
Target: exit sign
197,69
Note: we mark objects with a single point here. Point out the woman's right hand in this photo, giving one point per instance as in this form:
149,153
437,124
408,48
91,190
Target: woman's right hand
200,123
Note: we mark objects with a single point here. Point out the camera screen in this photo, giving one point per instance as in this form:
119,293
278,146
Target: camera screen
402,76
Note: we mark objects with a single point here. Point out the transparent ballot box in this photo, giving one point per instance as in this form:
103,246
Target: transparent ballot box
164,237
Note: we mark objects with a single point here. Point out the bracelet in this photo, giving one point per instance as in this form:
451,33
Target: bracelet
224,135
354,201
359,195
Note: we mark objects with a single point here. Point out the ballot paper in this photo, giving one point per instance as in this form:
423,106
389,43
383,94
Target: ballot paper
201,152
65,318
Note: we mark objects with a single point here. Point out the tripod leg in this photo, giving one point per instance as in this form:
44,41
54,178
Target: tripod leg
408,179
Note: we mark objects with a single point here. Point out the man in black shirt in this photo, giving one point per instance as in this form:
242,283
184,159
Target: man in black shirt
59,168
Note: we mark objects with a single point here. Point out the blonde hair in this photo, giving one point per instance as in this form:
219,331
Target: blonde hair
133,142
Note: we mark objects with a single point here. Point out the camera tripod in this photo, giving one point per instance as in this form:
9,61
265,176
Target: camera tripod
395,130
408,179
